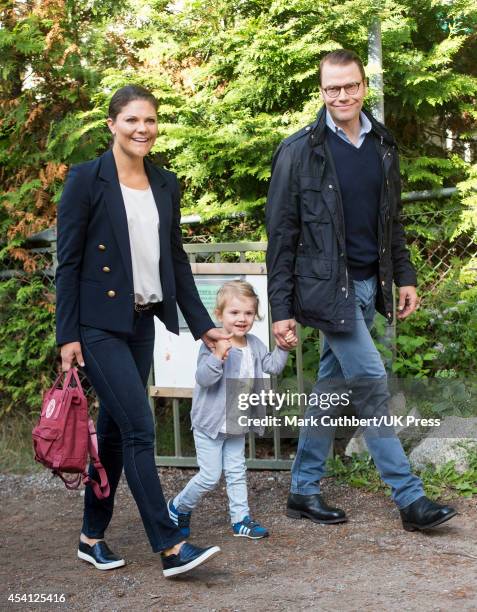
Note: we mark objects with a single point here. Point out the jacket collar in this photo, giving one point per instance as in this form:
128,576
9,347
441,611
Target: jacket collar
318,128
116,210
109,172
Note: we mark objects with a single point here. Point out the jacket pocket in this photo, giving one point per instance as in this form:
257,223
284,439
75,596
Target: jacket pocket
309,183
310,195
317,232
312,267
315,217
314,295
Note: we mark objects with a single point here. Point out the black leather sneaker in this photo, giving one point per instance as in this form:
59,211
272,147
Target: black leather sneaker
189,556
425,514
99,555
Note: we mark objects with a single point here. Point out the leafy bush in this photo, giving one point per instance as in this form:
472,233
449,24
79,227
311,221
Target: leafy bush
440,338
27,341
444,482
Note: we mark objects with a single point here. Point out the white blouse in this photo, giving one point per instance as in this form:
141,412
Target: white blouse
143,226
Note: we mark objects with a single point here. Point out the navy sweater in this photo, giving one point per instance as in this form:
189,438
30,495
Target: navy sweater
360,178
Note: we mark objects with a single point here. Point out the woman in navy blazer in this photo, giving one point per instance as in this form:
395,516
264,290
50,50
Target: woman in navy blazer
101,326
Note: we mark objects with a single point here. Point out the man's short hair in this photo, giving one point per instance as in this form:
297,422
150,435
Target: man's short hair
343,57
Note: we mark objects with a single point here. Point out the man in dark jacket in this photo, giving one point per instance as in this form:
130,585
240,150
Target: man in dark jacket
335,246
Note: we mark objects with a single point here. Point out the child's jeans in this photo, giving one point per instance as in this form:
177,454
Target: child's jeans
225,453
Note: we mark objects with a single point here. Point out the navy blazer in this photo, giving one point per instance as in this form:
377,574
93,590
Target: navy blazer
94,280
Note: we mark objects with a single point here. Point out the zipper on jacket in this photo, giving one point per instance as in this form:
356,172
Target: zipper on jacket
385,196
341,214
338,196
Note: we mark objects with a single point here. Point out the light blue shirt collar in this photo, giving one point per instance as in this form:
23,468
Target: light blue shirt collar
366,127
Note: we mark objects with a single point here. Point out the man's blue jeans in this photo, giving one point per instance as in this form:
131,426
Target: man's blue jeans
350,361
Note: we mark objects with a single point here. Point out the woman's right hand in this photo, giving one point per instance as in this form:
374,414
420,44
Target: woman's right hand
70,353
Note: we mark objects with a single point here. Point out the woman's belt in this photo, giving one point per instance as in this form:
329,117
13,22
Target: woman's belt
142,307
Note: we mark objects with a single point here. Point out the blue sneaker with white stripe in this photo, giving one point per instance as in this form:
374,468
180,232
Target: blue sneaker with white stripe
249,529
180,519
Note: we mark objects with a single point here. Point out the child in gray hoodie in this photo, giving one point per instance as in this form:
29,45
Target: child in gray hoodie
243,359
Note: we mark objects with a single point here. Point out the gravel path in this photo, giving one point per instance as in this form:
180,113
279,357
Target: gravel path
369,563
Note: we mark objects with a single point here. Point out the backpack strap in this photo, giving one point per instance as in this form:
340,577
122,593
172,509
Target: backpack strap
73,373
74,483
101,488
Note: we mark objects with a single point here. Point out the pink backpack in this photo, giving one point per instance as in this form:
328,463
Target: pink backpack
65,435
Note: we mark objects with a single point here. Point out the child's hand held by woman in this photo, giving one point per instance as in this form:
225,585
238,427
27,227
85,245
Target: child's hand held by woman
222,348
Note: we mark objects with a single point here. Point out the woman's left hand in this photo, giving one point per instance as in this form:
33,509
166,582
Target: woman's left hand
210,337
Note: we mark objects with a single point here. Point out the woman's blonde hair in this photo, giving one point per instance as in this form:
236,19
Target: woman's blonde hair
236,288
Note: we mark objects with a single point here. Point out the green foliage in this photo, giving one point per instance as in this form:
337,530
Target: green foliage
232,78
443,482
442,334
239,76
357,472
468,191
27,341
16,448
53,57
456,397
447,480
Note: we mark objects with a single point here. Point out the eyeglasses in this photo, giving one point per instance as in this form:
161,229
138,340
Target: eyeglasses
350,88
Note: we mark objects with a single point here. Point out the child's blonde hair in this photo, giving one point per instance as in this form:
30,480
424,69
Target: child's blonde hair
236,288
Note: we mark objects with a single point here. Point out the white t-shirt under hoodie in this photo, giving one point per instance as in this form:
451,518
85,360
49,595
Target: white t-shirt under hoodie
246,376
143,226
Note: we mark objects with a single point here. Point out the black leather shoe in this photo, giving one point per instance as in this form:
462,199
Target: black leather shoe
424,514
314,508
99,555
189,556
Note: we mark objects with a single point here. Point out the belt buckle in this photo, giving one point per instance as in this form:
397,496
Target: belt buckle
142,307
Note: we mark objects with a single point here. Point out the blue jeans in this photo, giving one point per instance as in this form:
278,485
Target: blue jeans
225,453
117,365
351,359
